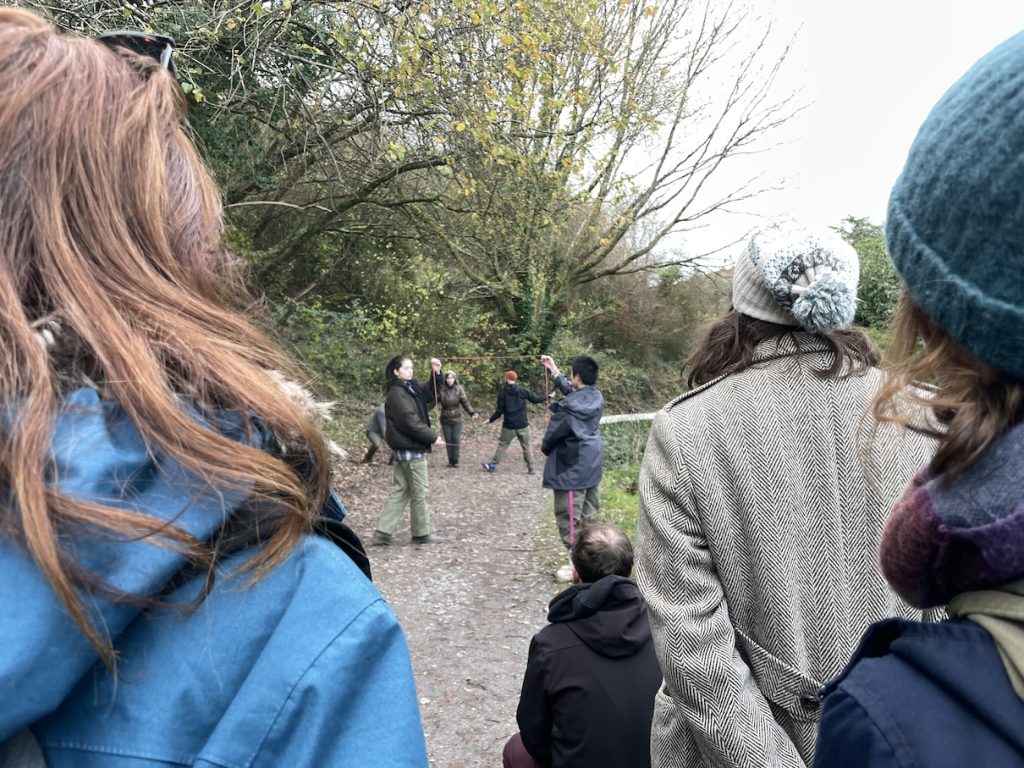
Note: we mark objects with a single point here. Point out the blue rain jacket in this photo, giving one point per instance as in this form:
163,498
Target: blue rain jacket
309,667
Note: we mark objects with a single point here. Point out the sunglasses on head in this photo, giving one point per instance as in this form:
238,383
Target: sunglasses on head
156,47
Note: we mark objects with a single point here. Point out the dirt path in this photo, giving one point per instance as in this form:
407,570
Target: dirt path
469,605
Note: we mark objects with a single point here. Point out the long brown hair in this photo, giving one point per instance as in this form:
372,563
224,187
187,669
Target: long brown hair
730,341
974,403
110,234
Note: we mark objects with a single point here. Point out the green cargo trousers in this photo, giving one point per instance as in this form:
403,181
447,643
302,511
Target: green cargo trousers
506,438
585,502
408,488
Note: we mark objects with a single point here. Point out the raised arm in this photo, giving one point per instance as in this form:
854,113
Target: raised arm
714,703
560,379
430,388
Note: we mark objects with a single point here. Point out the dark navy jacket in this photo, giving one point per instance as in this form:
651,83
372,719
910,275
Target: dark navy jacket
922,696
572,443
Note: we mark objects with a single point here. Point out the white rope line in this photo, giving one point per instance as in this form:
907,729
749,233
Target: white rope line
627,417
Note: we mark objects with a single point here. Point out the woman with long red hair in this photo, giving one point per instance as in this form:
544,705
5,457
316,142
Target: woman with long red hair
163,599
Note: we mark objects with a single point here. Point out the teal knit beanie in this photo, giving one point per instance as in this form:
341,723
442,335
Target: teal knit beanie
955,226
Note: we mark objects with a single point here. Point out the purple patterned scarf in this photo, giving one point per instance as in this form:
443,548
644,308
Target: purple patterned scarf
943,539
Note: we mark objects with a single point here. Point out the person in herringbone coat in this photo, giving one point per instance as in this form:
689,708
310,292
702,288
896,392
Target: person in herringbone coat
763,495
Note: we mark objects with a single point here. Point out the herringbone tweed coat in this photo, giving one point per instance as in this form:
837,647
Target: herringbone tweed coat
761,510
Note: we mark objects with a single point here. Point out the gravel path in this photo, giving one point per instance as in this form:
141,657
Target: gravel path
469,605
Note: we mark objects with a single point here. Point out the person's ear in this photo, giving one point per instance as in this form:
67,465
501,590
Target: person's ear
576,575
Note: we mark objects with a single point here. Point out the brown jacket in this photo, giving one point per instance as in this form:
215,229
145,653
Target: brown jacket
453,402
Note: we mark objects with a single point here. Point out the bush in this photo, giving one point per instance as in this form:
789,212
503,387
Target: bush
624,444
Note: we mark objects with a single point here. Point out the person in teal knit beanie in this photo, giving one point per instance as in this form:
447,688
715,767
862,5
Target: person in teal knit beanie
955,224
952,693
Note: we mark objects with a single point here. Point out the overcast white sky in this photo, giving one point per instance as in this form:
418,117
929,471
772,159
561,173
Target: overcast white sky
871,69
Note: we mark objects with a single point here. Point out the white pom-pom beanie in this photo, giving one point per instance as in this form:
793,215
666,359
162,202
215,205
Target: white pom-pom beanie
794,276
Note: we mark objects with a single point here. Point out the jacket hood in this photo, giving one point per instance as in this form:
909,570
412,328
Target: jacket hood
608,616
1001,612
99,456
586,404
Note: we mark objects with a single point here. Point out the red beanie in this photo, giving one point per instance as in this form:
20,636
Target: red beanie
511,376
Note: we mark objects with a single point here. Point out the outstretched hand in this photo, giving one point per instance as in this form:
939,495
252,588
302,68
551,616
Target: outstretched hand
435,365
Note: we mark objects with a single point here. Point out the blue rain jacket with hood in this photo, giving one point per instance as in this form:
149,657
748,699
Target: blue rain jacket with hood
307,667
572,443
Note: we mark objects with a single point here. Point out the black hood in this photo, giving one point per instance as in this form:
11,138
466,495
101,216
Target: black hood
608,616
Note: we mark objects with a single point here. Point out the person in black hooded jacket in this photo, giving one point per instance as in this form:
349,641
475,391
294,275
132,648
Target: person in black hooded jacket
588,691
511,408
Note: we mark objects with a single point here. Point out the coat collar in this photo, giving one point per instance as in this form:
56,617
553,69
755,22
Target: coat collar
790,345
780,347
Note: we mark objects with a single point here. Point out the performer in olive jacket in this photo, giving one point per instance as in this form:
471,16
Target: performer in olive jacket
454,401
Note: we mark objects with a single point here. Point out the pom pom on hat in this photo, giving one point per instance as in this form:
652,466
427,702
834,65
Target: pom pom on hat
827,304
795,276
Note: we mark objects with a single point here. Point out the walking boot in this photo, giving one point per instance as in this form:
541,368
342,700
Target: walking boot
381,539
428,539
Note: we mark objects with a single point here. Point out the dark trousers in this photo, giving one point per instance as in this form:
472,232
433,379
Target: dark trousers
376,442
515,755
